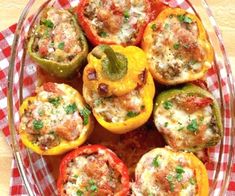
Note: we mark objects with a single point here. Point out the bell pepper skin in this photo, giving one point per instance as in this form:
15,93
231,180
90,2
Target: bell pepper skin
202,40
114,162
172,159
56,68
96,39
207,99
130,81
64,145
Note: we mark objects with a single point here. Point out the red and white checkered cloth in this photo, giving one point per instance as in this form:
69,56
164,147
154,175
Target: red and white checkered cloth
42,168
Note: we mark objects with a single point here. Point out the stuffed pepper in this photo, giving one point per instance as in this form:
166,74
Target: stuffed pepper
93,170
177,47
114,22
55,120
118,87
188,118
163,171
57,43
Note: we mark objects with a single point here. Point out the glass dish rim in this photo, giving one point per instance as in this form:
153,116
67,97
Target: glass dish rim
14,146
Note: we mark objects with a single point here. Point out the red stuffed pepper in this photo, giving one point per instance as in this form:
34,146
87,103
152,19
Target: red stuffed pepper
93,170
114,21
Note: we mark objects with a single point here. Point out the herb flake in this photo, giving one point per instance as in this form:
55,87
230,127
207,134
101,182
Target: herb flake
176,46
154,27
85,113
79,193
71,108
167,105
54,101
132,114
126,14
103,34
37,125
61,45
193,126
48,23
156,161
185,19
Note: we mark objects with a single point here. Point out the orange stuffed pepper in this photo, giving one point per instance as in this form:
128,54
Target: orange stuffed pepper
177,47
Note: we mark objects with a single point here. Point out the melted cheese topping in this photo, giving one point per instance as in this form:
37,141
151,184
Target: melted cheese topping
176,52
91,174
117,109
57,37
183,129
53,115
116,20
162,173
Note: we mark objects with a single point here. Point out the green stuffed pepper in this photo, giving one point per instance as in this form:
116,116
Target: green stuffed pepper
188,118
57,43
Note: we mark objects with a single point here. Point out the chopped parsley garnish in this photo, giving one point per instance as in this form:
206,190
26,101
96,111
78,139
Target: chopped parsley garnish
167,105
48,23
179,177
92,186
193,126
165,124
201,118
166,26
55,101
156,161
37,125
154,27
103,34
79,193
187,19
176,46
46,33
179,170
85,113
180,129
183,18
132,114
41,112
75,176
192,62
61,45
192,181
71,108
170,181
126,14
52,44
97,102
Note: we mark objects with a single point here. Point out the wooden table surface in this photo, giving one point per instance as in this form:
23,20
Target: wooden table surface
223,10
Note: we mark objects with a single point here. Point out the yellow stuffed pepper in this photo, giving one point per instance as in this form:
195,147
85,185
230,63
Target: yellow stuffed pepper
55,120
163,171
118,87
177,47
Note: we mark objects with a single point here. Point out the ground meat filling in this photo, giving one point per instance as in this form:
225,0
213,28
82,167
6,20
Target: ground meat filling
176,50
57,37
50,118
92,174
163,173
188,116
118,109
116,20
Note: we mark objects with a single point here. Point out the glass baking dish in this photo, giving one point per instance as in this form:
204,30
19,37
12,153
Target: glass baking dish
39,173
